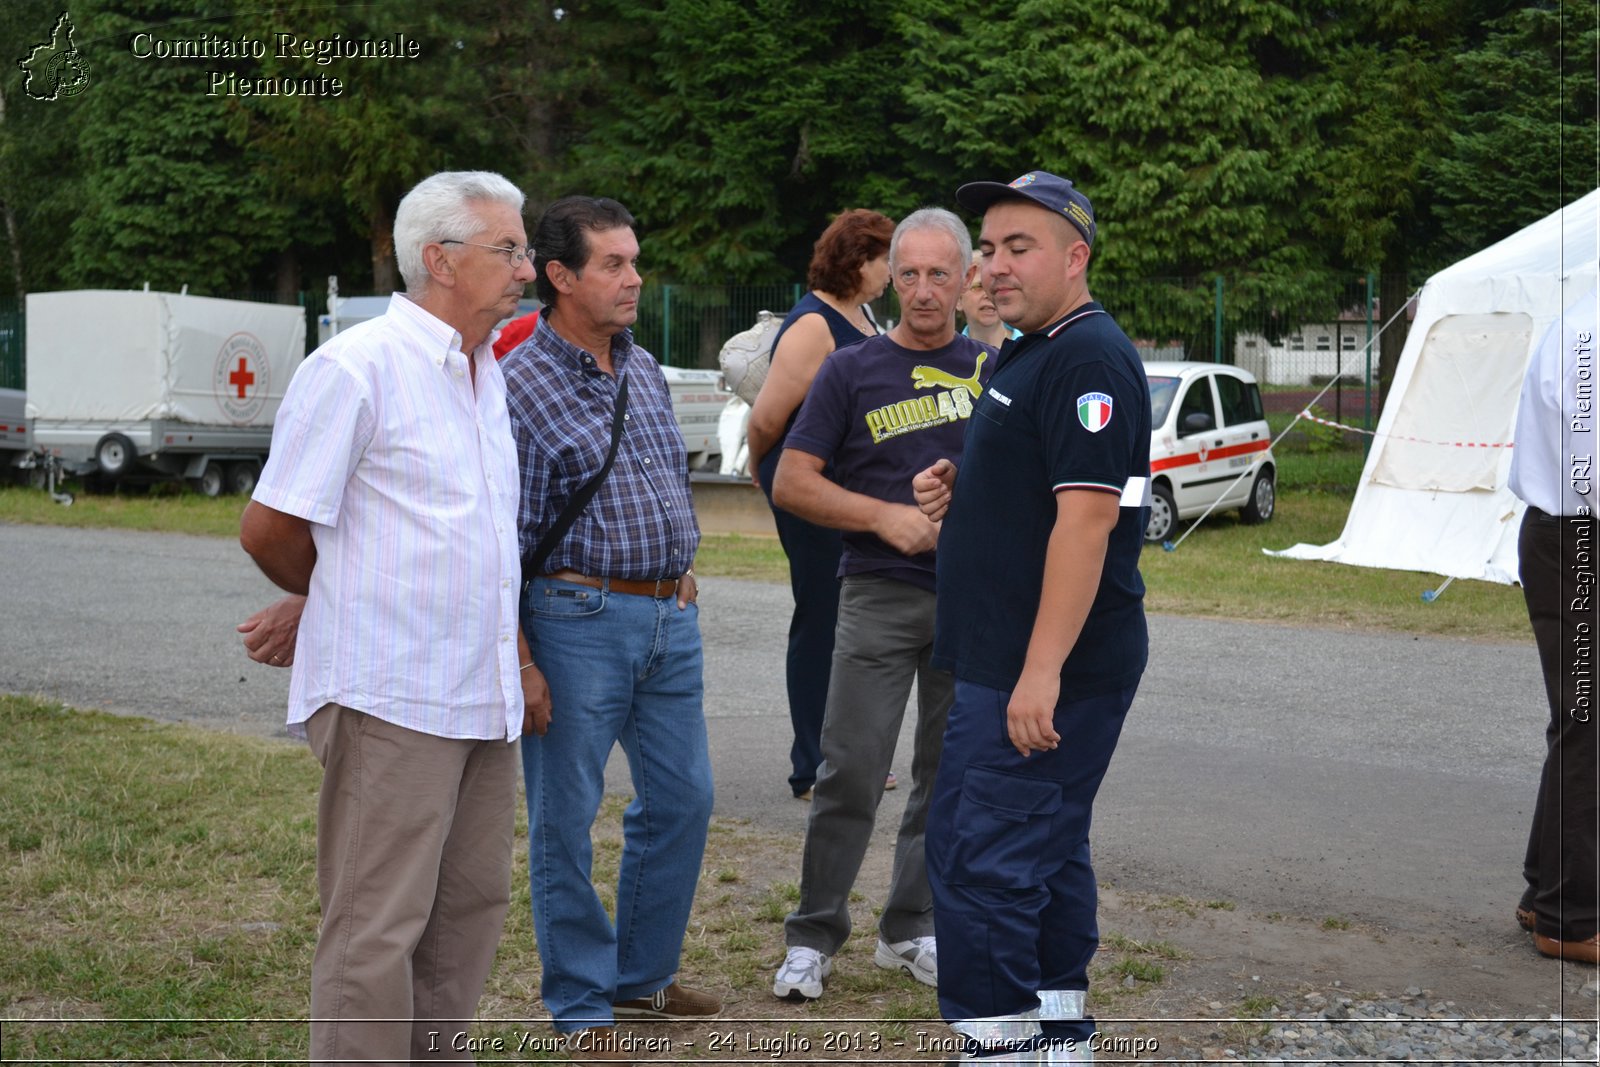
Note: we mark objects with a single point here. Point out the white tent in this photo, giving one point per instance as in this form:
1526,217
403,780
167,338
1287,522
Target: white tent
1433,494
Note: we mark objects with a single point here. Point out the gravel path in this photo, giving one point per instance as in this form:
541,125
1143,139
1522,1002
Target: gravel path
1417,1027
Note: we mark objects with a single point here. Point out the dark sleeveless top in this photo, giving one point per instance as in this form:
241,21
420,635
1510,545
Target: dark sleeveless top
844,333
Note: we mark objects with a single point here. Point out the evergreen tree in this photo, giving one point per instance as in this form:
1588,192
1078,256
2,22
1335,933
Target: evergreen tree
1194,129
39,179
1523,141
165,196
746,127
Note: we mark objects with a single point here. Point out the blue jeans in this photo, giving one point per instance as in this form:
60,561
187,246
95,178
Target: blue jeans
1008,857
622,669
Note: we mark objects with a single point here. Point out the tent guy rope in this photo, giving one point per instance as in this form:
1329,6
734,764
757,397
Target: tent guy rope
1172,546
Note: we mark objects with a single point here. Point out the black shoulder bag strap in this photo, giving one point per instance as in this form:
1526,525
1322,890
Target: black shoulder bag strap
533,564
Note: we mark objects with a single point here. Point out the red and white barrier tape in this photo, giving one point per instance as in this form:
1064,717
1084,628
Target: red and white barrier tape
1400,437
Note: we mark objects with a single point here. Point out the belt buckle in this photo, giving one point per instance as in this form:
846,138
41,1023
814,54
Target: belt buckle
658,594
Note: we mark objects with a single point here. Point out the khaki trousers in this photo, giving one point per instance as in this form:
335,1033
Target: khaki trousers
414,875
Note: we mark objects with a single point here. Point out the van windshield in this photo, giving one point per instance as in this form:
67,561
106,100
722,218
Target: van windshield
1162,390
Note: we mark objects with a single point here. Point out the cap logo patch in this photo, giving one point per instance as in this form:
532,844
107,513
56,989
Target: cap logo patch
1024,181
1094,411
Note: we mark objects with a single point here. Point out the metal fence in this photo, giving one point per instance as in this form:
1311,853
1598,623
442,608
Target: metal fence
1293,354
1330,339
685,325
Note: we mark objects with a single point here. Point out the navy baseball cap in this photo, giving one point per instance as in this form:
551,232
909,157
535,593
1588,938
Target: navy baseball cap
1049,191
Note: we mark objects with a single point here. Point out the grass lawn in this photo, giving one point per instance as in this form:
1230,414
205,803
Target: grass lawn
162,510
159,904
1220,570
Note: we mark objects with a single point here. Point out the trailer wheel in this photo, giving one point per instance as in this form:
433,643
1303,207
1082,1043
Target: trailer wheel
210,481
242,476
115,455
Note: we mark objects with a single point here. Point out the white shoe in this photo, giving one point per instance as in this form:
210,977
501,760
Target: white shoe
800,977
918,957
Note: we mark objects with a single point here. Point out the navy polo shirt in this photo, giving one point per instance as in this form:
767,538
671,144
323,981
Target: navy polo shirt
1067,407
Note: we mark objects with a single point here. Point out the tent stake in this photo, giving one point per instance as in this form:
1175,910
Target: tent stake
1430,595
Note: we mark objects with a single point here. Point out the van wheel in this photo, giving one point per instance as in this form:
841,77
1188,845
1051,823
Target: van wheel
210,481
242,476
1263,499
1163,514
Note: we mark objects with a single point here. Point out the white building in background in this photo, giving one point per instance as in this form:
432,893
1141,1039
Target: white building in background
1314,354
1152,352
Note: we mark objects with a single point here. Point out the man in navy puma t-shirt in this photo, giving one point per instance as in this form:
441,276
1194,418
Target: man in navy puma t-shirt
878,412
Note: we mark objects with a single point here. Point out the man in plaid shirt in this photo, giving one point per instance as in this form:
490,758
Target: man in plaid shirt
614,630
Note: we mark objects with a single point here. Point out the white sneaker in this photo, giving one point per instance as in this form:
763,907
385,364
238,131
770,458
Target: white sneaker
918,957
800,977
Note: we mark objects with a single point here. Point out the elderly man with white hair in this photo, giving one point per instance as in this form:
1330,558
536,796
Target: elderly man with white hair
390,503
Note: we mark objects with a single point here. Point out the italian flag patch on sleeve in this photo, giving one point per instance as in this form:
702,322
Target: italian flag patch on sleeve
1094,411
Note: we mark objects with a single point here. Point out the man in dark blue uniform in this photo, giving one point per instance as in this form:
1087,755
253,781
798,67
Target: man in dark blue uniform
1041,620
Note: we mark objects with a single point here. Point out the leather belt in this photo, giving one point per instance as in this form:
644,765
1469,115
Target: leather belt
659,589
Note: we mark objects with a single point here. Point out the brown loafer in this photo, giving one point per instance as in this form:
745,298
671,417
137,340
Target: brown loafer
1586,951
597,1044
673,1002
1525,919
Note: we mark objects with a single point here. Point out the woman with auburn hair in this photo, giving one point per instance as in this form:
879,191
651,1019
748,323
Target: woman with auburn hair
849,268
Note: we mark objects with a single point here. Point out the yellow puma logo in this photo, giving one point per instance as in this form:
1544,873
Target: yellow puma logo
924,377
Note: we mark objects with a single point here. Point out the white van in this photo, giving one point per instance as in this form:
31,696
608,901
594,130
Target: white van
1207,426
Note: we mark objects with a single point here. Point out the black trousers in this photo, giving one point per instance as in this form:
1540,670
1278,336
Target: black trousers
1559,558
813,553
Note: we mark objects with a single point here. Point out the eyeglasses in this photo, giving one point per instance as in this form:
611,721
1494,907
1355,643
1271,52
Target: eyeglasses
517,254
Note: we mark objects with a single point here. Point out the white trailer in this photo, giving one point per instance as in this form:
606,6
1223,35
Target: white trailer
148,386
698,398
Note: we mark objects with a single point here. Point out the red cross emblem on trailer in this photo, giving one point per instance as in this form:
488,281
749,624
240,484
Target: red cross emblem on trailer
241,378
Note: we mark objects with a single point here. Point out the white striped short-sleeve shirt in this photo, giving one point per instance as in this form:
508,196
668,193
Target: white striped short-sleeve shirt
408,477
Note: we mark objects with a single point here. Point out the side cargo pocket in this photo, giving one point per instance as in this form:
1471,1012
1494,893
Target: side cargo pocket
1002,828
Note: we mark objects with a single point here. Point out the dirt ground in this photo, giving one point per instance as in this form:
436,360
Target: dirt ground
1176,979
1238,962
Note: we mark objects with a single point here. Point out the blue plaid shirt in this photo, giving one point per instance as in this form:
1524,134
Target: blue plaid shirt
640,524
